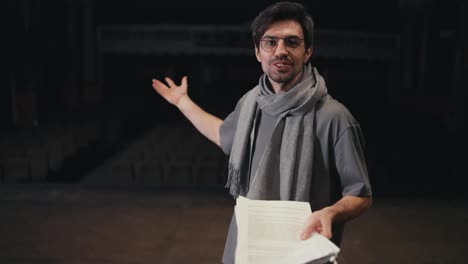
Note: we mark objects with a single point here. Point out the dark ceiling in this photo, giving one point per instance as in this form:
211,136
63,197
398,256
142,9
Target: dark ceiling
362,15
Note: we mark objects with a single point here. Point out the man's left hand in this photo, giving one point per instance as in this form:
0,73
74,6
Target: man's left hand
319,221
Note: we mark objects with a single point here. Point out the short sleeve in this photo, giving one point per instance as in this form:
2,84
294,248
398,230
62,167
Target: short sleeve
351,163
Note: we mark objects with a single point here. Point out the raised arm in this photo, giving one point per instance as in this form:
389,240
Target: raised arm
177,95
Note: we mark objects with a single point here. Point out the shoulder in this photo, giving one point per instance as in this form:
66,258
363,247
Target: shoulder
252,93
249,95
229,126
333,119
332,111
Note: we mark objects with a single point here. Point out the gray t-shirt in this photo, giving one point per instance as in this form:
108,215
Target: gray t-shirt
339,143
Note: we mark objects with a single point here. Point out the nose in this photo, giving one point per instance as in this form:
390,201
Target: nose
281,49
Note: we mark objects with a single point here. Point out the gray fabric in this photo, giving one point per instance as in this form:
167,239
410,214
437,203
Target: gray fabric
292,137
263,129
339,143
229,254
239,158
339,163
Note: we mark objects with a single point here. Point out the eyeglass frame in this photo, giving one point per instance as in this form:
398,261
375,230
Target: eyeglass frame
285,42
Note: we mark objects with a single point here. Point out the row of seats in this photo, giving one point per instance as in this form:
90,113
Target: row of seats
31,155
165,156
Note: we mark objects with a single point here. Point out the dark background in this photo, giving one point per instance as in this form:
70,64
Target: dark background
410,106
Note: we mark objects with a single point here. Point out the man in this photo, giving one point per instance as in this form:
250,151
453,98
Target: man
287,138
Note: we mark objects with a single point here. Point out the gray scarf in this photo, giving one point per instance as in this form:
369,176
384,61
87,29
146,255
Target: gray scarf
285,169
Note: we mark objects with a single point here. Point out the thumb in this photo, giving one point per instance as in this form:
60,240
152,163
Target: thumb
311,226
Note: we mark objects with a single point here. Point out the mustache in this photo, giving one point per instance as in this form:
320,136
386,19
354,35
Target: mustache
281,60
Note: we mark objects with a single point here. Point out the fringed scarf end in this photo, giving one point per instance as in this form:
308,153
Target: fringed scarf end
234,183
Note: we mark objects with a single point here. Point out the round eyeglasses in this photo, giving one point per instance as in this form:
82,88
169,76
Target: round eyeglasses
270,44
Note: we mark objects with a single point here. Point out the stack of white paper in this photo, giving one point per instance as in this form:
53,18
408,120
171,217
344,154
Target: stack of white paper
269,232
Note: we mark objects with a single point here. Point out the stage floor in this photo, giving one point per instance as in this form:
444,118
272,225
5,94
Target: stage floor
50,223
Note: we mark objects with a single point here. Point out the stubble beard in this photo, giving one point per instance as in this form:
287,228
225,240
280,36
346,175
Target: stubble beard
286,78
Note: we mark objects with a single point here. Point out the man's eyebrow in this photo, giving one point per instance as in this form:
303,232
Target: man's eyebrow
287,36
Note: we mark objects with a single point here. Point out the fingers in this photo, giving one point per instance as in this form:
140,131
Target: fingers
159,86
317,223
326,229
312,224
170,82
162,88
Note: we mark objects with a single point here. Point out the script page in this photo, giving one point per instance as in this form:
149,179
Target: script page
269,232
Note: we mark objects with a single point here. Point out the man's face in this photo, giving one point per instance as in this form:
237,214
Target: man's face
280,55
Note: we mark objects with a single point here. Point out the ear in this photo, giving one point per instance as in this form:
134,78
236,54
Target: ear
307,54
257,54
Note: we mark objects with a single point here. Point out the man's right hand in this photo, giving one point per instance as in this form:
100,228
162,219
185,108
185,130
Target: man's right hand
206,123
172,93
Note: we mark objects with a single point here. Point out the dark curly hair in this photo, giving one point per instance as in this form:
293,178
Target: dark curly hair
279,12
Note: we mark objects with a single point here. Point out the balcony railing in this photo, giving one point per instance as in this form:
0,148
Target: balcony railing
236,40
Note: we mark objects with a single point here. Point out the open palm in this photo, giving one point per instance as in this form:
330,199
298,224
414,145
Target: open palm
172,93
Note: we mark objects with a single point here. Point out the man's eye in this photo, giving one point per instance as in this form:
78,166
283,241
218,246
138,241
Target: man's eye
271,43
292,43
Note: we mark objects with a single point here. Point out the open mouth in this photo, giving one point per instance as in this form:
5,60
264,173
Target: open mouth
282,65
